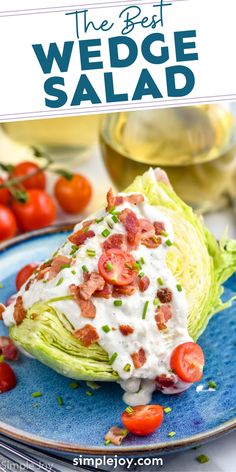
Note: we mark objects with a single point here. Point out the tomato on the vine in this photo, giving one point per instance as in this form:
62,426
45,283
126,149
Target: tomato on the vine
37,212
24,274
37,181
8,226
74,194
4,193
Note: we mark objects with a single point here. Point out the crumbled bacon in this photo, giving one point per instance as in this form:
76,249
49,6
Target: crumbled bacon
135,199
57,263
164,381
116,435
159,227
113,200
152,243
2,309
115,241
87,223
8,349
106,292
29,283
131,224
19,312
126,290
43,269
95,282
87,335
88,310
143,283
165,295
146,228
126,329
163,314
80,236
139,358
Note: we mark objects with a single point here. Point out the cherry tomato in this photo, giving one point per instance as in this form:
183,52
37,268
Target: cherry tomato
187,361
143,419
39,211
117,267
8,225
73,195
24,274
7,377
24,168
4,194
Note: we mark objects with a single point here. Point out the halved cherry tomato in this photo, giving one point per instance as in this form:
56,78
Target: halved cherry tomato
143,419
39,211
24,274
73,195
25,168
117,267
4,194
187,361
7,377
8,225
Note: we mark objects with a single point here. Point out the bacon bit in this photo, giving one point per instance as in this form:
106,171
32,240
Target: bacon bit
88,310
113,200
29,283
87,223
165,381
80,236
131,224
2,309
126,290
152,243
57,265
106,292
165,295
87,335
116,435
43,269
143,283
164,314
159,227
135,199
139,358
126,329
8,349
95,282
19,311
115,241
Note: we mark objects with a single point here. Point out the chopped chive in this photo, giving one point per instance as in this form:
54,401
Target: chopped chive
74,249
117,302
107,442
90,394
115,219
93,385
139,265
141,274
202,459
91,252
145,308
1,358
127,368
172,434
86,229
74,385
168,409
116,213
156,302
98,220
59,282
36,394
45,281
109,266
142,260
73,272
169,242
106,328
1,285
164,233
60,401
113,358
105,233
129,409
65,266
212,384
84,268
179,287
160,281
111,209
110,224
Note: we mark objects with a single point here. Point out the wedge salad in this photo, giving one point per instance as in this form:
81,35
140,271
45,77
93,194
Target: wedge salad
127,295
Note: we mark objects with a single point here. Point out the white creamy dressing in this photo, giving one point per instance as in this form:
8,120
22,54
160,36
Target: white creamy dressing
158,345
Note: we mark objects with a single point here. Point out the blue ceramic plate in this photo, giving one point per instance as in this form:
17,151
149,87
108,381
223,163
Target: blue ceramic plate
80,423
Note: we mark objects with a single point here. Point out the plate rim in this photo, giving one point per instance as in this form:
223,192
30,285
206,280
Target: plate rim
37,441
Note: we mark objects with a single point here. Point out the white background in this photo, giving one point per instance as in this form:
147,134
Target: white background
21,80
